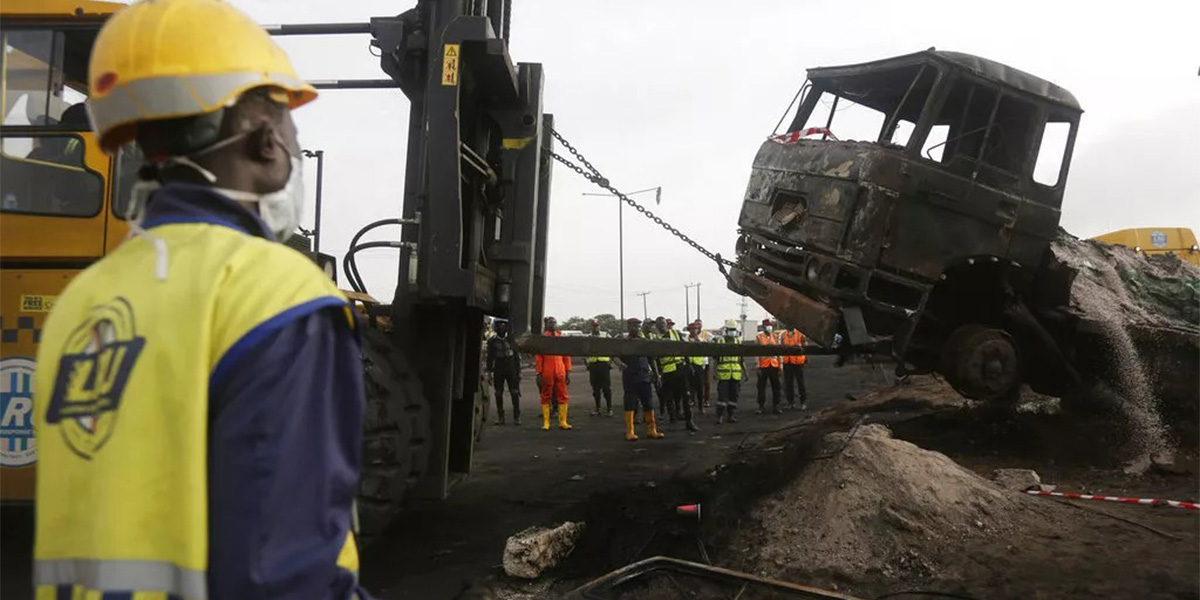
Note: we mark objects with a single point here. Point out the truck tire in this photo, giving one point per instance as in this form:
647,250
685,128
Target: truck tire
397,436
982,363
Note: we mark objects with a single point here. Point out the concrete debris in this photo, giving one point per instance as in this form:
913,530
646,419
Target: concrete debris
528,553
1016,479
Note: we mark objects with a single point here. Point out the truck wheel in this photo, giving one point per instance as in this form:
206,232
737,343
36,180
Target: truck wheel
981,363
396,432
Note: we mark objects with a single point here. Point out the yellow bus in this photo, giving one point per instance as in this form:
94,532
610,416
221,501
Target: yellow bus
1179,241
57,191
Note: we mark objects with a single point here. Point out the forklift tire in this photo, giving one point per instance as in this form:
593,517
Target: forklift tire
397,437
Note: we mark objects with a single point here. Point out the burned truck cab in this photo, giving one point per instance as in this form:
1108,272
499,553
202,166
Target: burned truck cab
910,198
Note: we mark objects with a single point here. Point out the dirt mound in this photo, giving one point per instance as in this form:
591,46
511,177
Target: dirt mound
1147,314
882,510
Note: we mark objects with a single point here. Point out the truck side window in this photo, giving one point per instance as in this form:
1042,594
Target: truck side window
46,175
1052,153
1011,137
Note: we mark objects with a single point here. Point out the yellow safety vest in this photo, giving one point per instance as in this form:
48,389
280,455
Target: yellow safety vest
699,361
728,367
597,359
121,403
668,364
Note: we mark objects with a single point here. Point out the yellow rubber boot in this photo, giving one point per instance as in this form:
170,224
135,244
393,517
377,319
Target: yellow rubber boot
652,426
629,433
562,416
545,417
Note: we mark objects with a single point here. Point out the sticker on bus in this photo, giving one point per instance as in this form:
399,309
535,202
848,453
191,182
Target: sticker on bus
37,303
17,446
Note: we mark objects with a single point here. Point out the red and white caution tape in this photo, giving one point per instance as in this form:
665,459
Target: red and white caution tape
1150,501
795,136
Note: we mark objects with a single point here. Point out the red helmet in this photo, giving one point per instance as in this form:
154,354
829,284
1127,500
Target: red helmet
633,321
766,322
670,322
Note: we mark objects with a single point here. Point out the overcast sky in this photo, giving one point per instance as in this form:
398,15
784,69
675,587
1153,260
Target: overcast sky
681,94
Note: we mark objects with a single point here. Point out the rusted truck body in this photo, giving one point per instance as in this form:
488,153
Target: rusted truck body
927,237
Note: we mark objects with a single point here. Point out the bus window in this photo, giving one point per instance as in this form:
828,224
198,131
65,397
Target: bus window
129,161
45,76
46,175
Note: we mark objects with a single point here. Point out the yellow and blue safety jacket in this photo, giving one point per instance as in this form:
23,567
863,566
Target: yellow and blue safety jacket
728,367
199,407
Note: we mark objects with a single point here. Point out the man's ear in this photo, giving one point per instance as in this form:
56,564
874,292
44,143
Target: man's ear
263,143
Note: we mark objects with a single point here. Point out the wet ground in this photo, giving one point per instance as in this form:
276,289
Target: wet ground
522,476
525,476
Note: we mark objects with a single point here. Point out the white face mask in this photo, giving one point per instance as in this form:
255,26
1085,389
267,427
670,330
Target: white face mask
768,328
731,333
280,210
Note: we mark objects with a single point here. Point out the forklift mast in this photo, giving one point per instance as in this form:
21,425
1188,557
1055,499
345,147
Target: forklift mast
475,208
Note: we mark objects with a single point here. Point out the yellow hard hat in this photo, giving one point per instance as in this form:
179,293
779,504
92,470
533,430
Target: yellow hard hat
163,59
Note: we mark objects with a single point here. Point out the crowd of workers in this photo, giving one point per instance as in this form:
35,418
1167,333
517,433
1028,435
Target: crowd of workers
682,384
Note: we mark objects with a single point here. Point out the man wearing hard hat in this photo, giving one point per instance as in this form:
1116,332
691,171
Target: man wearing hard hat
199,400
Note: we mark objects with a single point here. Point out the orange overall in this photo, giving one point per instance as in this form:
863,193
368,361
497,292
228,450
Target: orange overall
553,371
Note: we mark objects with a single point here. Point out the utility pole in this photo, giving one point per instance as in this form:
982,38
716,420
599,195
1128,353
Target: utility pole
687,299
645,313
743,317
620,236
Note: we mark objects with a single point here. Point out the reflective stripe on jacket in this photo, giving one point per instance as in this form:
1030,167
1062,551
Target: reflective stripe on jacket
591,360
668,364
793,337
728,367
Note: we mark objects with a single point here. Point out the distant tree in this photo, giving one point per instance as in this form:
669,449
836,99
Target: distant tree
609,324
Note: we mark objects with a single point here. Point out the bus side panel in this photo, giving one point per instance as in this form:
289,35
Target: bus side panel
28,296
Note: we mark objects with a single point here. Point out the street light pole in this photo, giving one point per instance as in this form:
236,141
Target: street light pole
620,237
687,299
687,309
645,313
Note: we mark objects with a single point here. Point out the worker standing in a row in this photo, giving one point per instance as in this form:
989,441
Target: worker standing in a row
768,369
696,370
553,377
729,376
504,368
636,379
600,375
673,371
793,369
707,394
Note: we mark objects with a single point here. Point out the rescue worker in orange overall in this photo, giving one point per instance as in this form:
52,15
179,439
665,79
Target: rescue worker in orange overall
793,369
768,370
553,377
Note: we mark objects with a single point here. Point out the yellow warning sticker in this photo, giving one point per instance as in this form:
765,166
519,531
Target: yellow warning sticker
450,65
37,303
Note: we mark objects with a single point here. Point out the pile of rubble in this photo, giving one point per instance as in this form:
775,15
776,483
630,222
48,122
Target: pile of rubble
881,510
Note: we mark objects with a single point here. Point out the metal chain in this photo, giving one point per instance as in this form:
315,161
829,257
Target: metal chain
594,176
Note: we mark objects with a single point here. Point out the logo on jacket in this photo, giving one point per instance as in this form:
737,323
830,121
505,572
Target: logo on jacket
92,373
